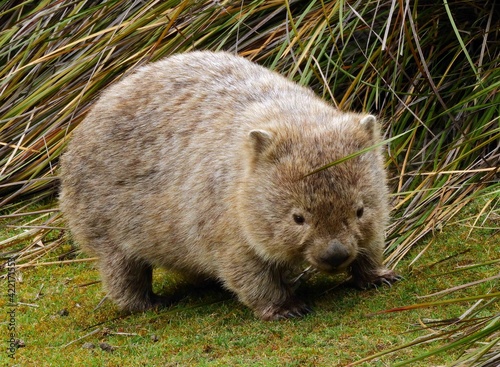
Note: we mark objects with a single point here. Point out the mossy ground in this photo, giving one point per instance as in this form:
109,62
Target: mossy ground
56,317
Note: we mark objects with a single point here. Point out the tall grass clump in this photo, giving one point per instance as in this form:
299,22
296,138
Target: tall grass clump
429,69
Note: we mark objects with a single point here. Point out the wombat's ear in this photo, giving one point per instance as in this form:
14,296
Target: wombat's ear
261,140
369,123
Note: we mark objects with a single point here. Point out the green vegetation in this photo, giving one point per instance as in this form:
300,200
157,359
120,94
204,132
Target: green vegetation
57,315
430,70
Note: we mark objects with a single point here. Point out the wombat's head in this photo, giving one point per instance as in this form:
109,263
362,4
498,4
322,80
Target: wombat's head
326,218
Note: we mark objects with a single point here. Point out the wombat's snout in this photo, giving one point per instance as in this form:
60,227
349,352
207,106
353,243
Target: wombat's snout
335,255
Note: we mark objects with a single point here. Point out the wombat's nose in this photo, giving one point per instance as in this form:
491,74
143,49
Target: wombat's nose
336,254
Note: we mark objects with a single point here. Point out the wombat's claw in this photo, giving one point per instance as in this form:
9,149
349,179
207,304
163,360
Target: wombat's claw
384,276
273,313
291,314
388,279
299,313
287,315
385,281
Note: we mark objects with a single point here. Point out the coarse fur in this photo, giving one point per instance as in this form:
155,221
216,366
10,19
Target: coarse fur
199,163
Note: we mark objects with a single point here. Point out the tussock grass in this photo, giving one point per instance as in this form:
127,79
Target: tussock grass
430,70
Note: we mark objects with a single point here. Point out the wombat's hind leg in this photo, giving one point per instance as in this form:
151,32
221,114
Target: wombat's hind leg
129,282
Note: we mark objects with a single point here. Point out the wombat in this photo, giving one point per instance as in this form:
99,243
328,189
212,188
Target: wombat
199,163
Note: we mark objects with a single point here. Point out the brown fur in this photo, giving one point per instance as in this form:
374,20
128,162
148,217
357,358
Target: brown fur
196,163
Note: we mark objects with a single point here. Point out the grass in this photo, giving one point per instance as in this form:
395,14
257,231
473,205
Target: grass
56,316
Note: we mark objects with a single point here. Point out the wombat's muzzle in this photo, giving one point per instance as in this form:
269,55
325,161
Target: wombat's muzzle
336,256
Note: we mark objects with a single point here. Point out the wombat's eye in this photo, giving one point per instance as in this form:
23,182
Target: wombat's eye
359,212
299,219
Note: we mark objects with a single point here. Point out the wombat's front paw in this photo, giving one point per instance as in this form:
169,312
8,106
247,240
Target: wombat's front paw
376,278
290,309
